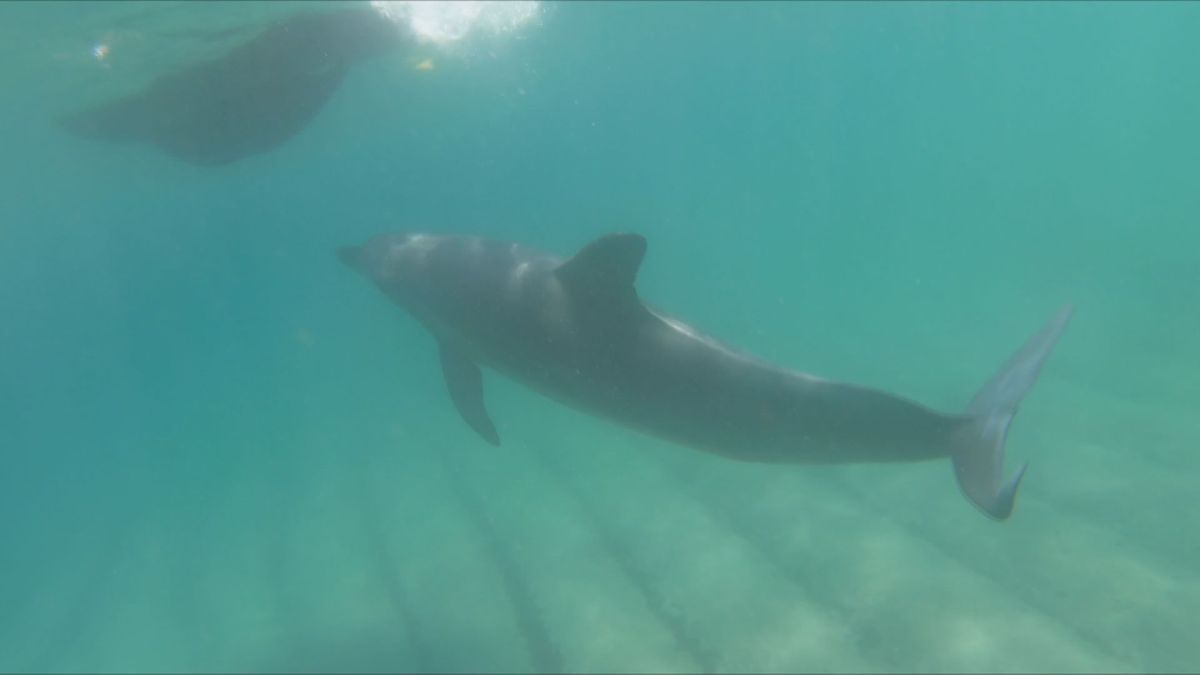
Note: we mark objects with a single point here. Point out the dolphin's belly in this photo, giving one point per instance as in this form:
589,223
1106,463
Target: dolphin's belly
692,393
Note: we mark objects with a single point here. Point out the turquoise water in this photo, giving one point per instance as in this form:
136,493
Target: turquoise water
225,452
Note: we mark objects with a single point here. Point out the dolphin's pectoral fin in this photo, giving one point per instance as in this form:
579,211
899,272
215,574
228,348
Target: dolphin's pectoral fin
465,382
604,271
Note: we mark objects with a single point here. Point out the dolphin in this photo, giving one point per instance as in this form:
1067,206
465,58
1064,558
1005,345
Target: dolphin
251,100
576,331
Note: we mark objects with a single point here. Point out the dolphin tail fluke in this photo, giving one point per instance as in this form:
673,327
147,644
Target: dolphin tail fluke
978,449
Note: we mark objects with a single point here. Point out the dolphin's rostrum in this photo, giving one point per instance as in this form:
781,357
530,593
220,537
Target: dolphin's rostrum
575,330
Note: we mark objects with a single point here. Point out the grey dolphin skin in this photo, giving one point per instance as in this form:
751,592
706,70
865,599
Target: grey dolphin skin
251,100
576,331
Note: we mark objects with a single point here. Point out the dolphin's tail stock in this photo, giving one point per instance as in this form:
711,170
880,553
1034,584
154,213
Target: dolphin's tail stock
978,448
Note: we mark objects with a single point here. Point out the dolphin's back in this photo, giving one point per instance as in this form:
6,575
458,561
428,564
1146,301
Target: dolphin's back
510,308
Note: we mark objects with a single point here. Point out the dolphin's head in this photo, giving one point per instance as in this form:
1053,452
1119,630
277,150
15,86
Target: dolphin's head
387,257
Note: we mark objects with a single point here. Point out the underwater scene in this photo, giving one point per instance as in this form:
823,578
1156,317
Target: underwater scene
599,337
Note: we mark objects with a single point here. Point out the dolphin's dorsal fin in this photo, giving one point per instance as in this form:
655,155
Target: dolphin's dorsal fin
605,270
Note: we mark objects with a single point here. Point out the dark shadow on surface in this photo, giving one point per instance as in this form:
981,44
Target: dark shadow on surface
702,654
390,570
87,609
545,655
